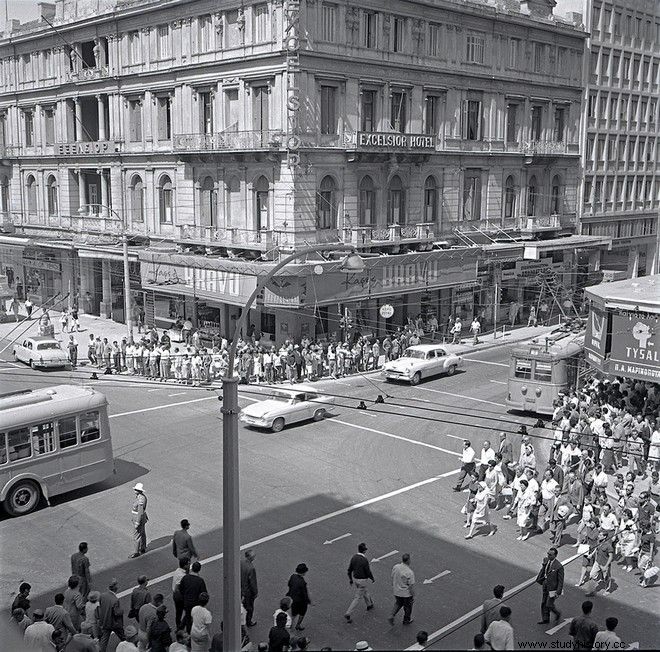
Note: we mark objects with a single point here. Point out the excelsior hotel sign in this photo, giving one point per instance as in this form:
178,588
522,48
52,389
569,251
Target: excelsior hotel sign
391,141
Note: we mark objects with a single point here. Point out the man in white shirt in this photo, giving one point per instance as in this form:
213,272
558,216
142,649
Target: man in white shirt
487,454
403,587
129,644
38,635
467,464
607,639
499,634
548,485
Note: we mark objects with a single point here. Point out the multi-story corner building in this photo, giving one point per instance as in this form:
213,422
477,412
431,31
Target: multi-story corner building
441,135
620,196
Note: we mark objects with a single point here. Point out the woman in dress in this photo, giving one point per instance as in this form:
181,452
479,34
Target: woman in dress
526,500
480,515
654,448
587,537
299,595
628,540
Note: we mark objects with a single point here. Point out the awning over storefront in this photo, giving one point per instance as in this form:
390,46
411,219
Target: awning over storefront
532,249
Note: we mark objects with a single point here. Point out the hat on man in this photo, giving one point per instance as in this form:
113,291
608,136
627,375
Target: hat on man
301,568
363,645
138,487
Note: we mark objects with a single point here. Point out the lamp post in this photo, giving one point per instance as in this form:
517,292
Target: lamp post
127,276
231,543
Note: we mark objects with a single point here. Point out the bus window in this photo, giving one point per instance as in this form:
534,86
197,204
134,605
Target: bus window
3,448
19,444
543,371
68,432
523,369
89,427
43,438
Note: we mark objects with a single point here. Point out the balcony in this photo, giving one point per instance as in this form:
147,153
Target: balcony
394,233
88,74
548,148
540,223
8,151
230,141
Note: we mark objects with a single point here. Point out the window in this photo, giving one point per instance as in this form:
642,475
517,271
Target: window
234,206
19,444
134,48
3,448
475,49
43,438
561,61
555,196
604,65
137,199
52,195
398,102
328,110
607,18
617,23
31,191
558,132
537,122
231,109
396,209
398,30
430,200
164,108
4,195
509,197
514,46
204,34
523,369
367,205
434,40
163,42
472,195
539,52
28,117
369,29
47,64
326,205
368,111
208,203
472,119
261,193
543,371
165,200
68,432
89,427
135,120
626,69
329,23
431,113
532,196
511,123
206,111
3,129
49,126
261,22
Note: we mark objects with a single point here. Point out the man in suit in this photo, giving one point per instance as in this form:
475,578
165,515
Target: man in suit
249,590
80,567
506,451
182,543
191,587
551,578
111,616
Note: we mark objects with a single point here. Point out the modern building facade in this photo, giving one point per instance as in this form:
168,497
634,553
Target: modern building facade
441,136
620,196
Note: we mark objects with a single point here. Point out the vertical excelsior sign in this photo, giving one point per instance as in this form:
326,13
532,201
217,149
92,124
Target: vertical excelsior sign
292,47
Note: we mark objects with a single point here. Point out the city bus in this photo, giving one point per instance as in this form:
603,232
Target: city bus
541,370
52,440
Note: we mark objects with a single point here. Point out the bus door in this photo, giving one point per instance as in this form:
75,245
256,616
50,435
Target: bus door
70,462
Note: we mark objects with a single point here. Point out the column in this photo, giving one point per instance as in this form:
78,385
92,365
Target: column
78,119
633,263
82,194
106,302
38,125
100,110
104,193
525,122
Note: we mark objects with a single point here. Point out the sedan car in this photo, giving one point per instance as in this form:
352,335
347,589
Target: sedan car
41,352
422,361
285,406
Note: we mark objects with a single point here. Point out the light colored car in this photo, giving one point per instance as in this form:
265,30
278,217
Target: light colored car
285,406
41,351
422,361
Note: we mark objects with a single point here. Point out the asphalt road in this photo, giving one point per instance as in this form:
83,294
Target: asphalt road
382,476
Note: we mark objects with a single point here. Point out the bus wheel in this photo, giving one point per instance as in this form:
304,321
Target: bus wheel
22,498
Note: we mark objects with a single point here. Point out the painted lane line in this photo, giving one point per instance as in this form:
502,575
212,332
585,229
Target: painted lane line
499,382
391,436
5,370
327,542
163,407
495,364
556,628
436,577
461,620
176,394
468,398
389,554
314,521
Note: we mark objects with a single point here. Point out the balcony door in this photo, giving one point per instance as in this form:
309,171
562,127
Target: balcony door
260,117
261,188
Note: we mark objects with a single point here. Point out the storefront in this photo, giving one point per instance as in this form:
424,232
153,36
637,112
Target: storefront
11,264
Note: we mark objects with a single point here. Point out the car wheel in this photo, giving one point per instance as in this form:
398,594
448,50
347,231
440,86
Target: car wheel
22,498
452,370
278,425
34,366
416,378
319,414
15,357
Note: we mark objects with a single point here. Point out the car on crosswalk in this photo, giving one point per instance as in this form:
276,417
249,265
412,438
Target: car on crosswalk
41,352
422,361
285,406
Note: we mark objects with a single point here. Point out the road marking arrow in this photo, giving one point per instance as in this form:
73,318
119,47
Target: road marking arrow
556,628
329,541
436,577
633,646
389,554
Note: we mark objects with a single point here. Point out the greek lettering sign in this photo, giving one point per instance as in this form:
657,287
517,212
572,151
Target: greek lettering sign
635,345
530,268
386,311
94,147
397,141
596,337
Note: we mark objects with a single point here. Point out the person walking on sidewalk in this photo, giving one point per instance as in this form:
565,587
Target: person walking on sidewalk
403,587
532,320
456,331
64,320
28,307
139,518
249,588
80,567
72,349
475,329
551,578
359,572
91,349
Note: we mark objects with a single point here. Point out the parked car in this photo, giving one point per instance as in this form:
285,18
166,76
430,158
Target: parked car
422,361
41,351
285,406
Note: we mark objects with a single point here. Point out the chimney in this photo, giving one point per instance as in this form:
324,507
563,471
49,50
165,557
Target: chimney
538,8
46,11
575,18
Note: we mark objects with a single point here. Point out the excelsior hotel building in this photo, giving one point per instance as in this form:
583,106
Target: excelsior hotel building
442,136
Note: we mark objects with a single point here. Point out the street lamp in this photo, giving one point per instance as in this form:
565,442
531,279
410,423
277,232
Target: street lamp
231,542
83,212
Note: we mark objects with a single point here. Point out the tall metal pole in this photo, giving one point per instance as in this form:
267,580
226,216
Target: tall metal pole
231,518
127,288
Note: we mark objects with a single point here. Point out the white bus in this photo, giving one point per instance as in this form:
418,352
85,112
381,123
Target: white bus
52,440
